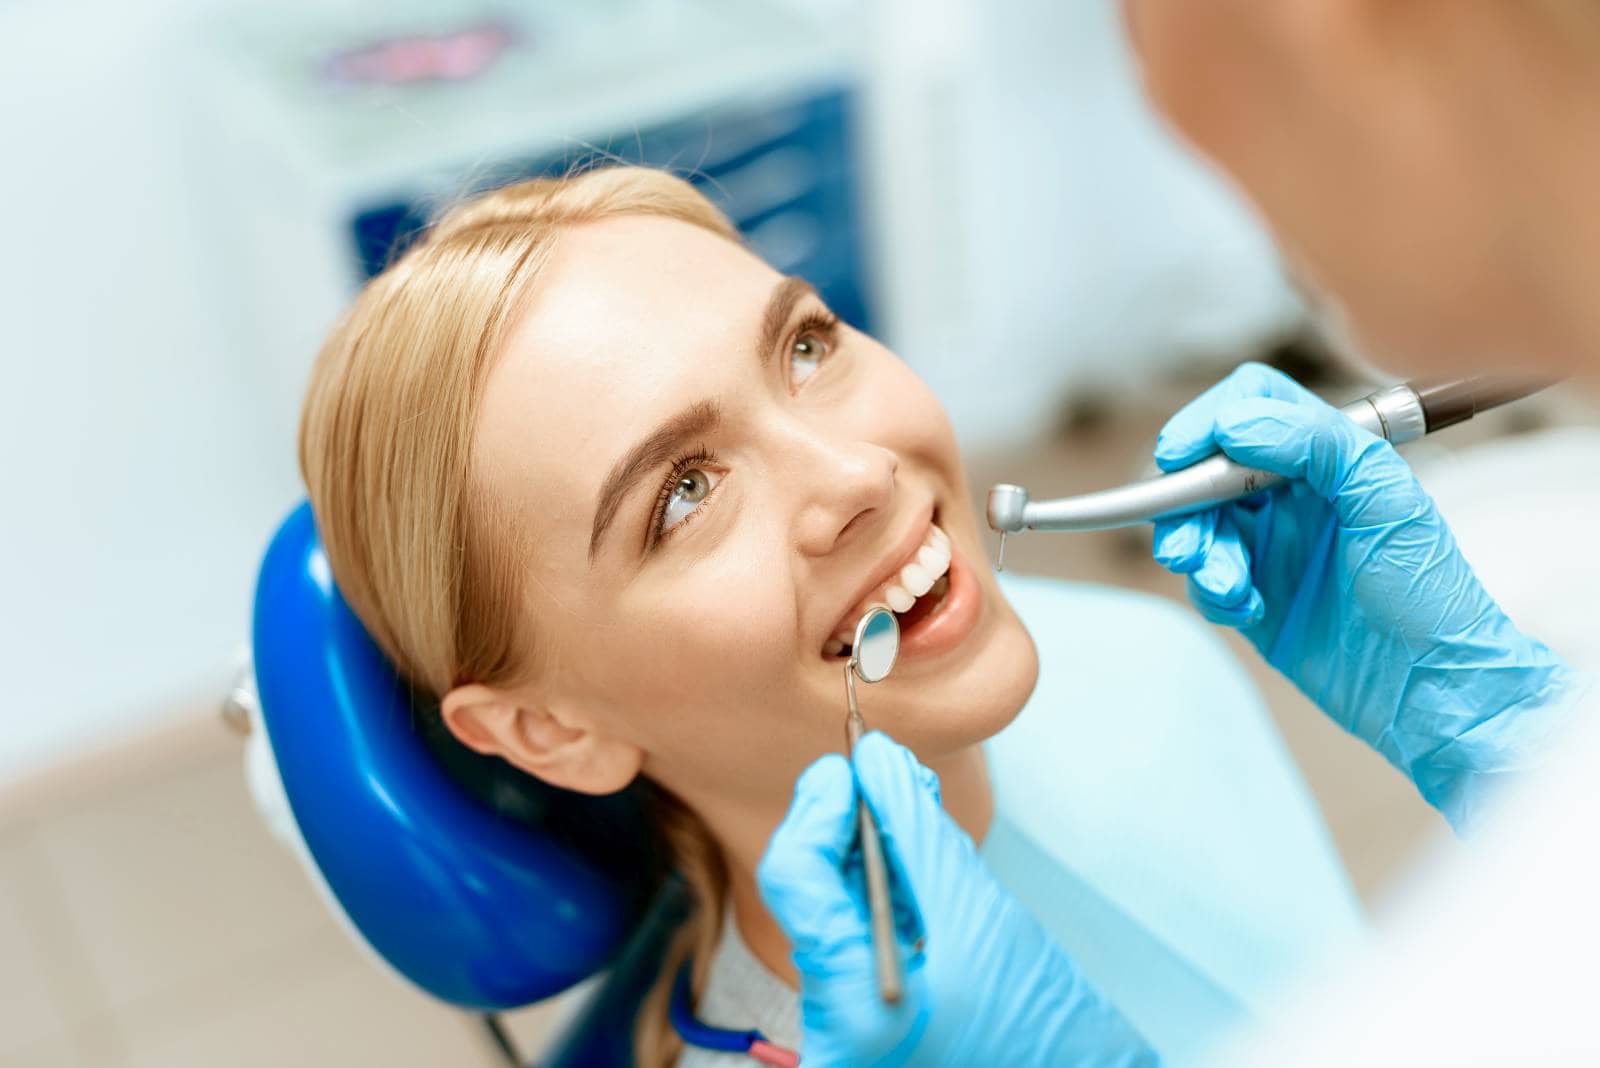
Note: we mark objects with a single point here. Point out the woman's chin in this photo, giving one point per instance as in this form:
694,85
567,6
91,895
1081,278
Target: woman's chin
977,698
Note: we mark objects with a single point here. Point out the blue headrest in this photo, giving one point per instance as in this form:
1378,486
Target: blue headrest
475,906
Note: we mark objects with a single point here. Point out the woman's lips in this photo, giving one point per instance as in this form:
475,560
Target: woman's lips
948,625
920,570
941,577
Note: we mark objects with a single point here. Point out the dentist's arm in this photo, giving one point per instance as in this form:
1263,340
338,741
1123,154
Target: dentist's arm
984,982
1350,583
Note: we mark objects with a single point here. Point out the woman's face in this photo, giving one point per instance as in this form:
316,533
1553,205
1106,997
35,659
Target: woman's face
717,478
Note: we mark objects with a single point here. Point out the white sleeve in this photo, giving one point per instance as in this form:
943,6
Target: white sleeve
1487,956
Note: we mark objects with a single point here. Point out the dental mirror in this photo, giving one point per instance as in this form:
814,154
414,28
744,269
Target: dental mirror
872,656
876,646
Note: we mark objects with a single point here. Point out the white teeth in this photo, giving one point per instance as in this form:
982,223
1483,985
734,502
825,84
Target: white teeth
925,570
932,561
916,579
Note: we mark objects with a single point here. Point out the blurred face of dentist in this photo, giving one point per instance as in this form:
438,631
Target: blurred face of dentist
1429,167
715,477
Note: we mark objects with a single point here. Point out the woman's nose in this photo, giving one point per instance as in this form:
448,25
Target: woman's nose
844,490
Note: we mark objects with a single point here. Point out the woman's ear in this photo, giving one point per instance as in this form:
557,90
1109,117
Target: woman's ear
540,740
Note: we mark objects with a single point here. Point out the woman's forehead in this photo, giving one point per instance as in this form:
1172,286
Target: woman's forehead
611,280
630,320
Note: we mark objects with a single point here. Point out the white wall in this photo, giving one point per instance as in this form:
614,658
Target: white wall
139,483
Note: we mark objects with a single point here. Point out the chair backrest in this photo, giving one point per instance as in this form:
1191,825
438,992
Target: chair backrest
488,902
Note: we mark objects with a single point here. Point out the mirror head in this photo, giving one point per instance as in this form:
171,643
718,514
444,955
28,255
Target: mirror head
877,643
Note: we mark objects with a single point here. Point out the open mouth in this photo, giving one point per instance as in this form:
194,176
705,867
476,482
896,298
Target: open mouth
915,592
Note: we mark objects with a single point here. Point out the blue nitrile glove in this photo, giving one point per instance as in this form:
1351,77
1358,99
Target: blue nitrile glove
1349,582
985,985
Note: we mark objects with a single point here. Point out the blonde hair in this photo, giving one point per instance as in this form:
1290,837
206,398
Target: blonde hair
416,543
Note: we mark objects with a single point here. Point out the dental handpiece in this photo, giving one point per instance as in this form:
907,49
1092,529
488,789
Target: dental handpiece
1398,413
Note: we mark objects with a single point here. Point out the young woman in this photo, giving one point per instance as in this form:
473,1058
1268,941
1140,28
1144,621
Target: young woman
615,492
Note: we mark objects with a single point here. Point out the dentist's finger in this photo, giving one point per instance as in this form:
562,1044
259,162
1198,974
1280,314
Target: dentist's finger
917,831
1355,470
1181,545
1223,587
1189,436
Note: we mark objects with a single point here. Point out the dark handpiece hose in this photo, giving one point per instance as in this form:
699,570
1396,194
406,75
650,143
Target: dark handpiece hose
1455,401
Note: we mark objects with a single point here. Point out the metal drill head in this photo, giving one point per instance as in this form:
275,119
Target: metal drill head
1006,506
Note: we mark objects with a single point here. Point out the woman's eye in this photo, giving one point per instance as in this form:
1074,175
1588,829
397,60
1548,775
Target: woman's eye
807,354
686,495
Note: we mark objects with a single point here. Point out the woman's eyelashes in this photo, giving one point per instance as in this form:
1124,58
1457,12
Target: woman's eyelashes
688,485
813,341
694,478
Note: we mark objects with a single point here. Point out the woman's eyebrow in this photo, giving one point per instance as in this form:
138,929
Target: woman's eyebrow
780,305
697,420
655,451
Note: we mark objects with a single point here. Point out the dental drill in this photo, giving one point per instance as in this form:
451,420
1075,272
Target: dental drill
1398,414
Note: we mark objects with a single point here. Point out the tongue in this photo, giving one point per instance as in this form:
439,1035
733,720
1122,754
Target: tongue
925,605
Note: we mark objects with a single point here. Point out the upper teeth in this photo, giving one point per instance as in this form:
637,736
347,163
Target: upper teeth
916,577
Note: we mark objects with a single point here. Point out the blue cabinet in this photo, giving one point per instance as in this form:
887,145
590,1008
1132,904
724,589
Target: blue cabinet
783,172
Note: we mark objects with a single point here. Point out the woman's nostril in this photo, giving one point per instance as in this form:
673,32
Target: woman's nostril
856,520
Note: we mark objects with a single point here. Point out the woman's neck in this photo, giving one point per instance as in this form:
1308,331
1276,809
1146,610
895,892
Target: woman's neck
964,787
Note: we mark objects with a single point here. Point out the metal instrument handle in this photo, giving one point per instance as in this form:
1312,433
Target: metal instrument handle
891,979
1392,413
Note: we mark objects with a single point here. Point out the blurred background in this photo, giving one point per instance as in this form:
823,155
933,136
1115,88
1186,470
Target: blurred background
197,188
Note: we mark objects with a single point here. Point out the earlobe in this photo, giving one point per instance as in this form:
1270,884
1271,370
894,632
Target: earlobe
558,748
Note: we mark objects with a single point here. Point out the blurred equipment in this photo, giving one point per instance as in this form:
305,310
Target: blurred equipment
1399,414
963,180
365,123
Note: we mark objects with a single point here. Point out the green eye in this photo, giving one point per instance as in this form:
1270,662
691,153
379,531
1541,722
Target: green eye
809,350
686,495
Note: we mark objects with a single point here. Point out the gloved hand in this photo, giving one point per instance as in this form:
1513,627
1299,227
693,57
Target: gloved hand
1350,583
985,985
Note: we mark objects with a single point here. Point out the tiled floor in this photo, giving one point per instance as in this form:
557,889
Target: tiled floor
155,923
147,919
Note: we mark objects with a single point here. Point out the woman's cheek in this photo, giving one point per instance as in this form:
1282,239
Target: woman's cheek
728,617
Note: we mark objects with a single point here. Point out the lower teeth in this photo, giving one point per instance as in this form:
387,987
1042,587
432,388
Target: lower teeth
936,594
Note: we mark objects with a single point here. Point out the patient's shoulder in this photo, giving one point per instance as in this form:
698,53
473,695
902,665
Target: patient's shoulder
1088,615
1155,659
1129,680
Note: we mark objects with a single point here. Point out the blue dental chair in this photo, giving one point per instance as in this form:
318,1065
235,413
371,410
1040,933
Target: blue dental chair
481,886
